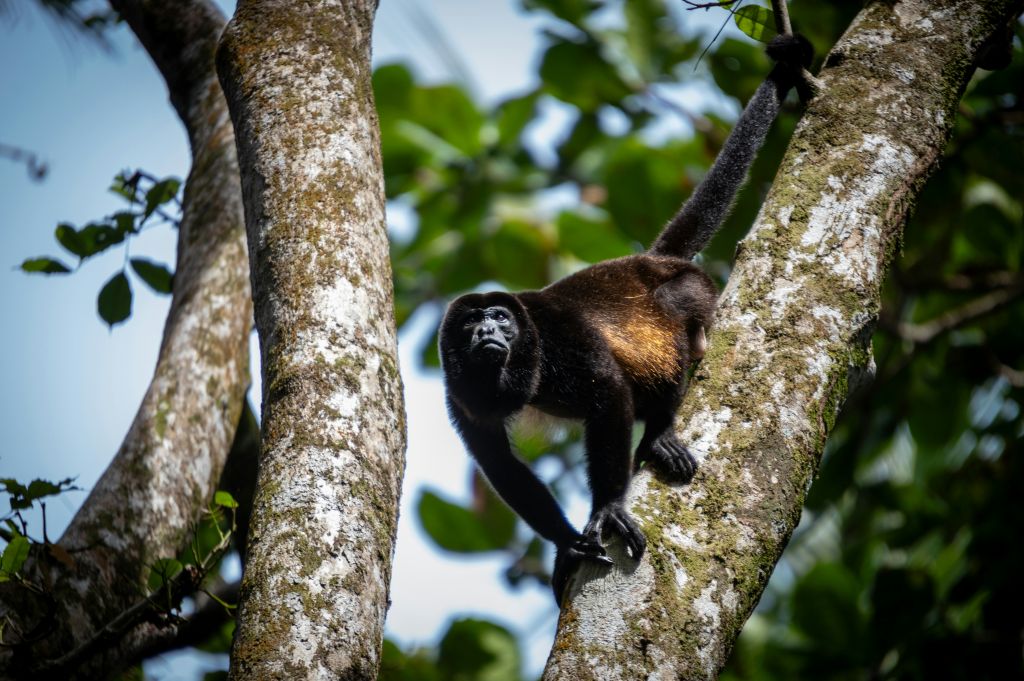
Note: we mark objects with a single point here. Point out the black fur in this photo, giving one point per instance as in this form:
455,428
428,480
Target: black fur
607,345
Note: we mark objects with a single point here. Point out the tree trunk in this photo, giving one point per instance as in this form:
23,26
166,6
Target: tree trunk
792,336
315,589
166,470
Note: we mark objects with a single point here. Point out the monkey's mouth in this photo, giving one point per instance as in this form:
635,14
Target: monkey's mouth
491,346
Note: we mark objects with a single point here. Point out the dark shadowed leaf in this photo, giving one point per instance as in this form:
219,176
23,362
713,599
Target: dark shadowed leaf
92,239
479,650
513,115
573,11
589,238
44,266
115,300
577,73
163,571
156,275
160,193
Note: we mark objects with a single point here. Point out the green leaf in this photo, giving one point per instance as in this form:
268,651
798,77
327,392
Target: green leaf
739,68
160,193
392,87
448,112
456,528
14,556
44,266
518,252
92,239
573,11
590,239
38,489
115,300
122,188
163,571
67,236
479,650
156,275
825,608
513,115
222,498
18,493
756,22
577,73
124,222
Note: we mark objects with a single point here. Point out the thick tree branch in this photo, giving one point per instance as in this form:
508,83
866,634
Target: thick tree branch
315,588
143,506
792,335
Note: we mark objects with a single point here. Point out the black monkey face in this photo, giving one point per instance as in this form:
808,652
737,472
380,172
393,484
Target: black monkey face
490,332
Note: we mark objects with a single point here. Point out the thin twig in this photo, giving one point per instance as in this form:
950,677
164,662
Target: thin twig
706,5
781,13
979,307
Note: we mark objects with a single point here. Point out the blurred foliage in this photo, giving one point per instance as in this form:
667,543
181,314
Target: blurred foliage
86,18
471,650
906,564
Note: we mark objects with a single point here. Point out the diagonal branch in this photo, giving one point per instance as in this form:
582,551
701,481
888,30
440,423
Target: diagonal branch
792,335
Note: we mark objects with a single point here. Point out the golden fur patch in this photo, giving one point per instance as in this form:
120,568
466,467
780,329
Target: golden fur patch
644,348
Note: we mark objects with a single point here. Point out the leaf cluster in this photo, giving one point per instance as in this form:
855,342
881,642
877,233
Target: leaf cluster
147,197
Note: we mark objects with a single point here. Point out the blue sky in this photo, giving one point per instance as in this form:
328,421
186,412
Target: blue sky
71,386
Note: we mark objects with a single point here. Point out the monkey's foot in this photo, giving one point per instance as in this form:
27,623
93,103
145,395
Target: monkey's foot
615,518
672,457
568,557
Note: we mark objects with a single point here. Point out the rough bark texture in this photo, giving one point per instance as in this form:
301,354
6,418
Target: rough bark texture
315,589
165,472
793,334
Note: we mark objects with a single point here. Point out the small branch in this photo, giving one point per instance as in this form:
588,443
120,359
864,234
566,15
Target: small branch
781,13
1014,376
706,5
979,307
159,602
37,168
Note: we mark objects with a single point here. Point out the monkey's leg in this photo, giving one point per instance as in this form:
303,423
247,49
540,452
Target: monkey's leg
609,468
690,300
662,448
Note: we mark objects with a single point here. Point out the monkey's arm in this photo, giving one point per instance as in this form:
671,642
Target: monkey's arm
703,213
513,480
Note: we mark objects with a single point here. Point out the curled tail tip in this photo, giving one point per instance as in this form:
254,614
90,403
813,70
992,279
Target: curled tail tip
793,53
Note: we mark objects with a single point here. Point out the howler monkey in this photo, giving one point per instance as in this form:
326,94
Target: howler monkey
608,345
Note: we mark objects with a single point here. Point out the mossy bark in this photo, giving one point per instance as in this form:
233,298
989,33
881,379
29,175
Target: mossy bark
315,589
792,336
165,472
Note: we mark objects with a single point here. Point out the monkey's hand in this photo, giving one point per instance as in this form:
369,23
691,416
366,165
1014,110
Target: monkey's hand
671,457
612,516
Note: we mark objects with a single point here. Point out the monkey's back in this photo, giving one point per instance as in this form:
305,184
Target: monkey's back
619,301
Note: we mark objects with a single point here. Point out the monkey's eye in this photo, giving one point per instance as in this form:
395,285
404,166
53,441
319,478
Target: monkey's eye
500,316
474,317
